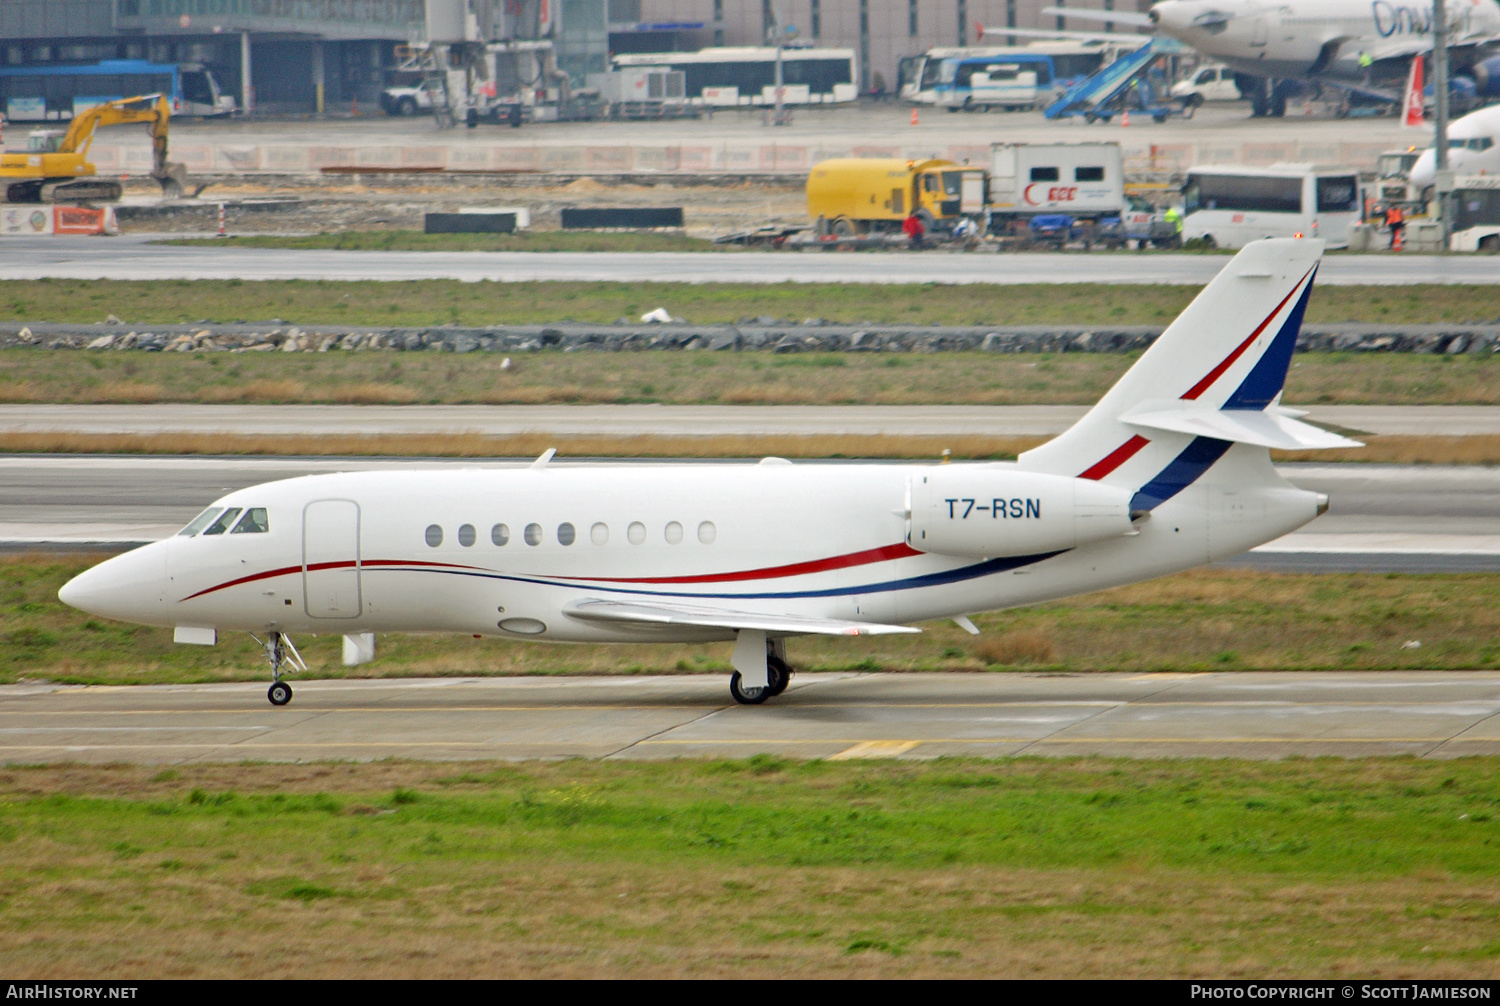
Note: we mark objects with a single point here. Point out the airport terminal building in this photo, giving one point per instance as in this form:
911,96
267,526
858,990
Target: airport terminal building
304,56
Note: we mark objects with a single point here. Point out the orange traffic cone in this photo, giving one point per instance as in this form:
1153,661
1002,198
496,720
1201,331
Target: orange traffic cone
914,117
1125,119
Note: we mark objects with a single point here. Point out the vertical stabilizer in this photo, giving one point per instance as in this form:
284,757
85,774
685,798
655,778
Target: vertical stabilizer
1211,380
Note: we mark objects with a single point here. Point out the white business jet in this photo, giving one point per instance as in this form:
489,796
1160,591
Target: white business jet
1170,470
1278,48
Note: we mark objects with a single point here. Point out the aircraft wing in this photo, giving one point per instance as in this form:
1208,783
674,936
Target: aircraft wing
1073,36
657,613
1116,16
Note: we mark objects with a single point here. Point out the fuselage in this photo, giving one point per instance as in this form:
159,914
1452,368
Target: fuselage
1318,38
1473,148
503,550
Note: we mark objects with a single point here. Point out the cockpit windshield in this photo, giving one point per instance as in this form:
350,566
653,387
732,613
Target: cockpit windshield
235,520
201,521
225,521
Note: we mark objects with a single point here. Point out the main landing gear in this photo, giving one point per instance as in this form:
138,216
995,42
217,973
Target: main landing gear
778,673
280,650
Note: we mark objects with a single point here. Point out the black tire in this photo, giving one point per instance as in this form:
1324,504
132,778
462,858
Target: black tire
1209,242
747,696
1159,119
280,693
1192,101
780,673
842,227
1490,245
407,106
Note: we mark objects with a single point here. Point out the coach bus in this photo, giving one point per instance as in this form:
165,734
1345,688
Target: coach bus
41,93
729,76
922,78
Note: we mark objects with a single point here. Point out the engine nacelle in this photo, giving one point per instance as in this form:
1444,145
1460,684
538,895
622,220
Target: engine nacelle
985,511
1487,77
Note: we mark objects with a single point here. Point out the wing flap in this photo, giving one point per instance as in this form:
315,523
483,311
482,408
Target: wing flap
660,614
1271,428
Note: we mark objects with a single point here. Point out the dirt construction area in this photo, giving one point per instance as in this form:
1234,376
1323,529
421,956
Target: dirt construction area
728,171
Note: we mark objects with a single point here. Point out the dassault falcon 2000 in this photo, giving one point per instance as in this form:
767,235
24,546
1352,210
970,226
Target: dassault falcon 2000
1169,470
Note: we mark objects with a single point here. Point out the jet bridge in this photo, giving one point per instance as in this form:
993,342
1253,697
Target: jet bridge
1107,92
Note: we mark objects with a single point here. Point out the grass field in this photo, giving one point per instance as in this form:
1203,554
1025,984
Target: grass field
761,867
691,378
437,302
1211,619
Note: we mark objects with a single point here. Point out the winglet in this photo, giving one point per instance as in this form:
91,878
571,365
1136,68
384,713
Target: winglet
547,456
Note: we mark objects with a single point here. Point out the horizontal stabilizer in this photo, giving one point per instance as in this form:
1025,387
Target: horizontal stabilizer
1272,427
654,613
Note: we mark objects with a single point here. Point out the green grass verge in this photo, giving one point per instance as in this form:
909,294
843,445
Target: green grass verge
1376,868
40,375
437,302
1201,620
532,241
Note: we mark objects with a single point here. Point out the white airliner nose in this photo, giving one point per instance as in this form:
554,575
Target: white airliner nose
128,587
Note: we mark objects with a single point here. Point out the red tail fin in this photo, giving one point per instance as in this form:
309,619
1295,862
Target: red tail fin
1411,110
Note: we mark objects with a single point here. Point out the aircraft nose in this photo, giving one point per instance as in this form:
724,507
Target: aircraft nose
127,587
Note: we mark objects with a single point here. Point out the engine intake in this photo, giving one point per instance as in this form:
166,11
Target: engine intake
987,511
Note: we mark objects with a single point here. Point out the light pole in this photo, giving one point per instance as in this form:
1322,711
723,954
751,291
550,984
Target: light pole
1443,182
778,36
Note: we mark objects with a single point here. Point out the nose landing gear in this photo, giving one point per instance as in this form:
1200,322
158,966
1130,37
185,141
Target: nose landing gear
280,650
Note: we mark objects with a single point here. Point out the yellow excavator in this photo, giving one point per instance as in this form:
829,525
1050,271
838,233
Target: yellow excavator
55,168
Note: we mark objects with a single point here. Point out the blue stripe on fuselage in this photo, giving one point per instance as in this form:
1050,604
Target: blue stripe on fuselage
1184,470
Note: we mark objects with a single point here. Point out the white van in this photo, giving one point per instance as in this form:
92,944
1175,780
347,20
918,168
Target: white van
1208,83
1229,207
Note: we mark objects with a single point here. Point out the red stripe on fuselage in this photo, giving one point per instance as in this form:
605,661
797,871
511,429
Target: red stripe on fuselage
1116,458
901,550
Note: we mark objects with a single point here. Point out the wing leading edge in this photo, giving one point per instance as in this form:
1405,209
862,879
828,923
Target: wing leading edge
658,614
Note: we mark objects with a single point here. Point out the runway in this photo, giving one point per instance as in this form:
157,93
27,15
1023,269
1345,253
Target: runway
135,257
843,716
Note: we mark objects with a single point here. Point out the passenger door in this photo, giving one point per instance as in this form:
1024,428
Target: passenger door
331,559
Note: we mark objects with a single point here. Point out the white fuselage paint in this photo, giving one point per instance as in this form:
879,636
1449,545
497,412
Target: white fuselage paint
765,517
1266,39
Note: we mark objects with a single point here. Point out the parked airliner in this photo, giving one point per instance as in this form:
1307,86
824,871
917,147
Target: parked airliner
1169,470
1473,149
1278,49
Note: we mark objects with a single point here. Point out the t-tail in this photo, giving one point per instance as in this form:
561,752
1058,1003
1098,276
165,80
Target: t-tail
1189,427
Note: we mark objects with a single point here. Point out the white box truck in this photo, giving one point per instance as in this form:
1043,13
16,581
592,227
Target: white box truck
1083,180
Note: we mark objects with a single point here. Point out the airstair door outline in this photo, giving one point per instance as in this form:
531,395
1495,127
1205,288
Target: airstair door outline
331,559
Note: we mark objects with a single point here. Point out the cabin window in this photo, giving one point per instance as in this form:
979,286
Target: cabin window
500,534
532,534
566,534
201,521
1088,174
673,533
466,535
599,534
225,521
636,532
1044,174
434,535
254,522
707,532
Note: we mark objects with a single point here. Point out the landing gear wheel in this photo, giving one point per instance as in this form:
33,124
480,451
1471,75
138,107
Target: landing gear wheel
280,693
779,672
747,696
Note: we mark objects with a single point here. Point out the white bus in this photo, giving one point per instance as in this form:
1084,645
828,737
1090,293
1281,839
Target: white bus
922,76
1476,214
746,75
1229,207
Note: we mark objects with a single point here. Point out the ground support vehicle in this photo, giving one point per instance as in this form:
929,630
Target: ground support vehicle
1476,214
1207,83
746,75
1015,82
858,195
54,167
1393,178
1229,207
1133,82
1084,180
